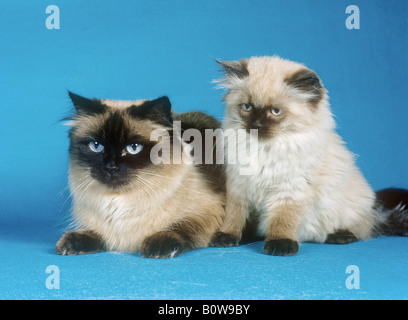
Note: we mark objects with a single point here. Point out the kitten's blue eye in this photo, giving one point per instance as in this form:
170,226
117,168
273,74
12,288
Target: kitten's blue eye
246,107
276,111
134,148
95,146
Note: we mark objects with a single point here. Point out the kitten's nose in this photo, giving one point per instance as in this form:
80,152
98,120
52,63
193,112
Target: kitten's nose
257,123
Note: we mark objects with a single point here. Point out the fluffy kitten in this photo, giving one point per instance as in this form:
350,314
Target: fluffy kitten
304,186
124,202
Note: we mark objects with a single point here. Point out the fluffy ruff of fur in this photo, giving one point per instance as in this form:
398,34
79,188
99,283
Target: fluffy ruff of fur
304,186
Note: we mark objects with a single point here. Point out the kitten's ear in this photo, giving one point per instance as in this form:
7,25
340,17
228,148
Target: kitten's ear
158,110
85,105
237,69
308,82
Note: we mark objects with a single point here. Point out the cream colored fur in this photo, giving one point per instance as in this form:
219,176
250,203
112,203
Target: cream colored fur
158,197
305,184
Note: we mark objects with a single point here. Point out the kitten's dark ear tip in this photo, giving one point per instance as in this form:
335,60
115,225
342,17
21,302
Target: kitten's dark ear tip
224,64
218,61
234,68
307,80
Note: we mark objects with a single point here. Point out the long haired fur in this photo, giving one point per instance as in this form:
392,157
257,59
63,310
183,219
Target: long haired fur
305,185
125,202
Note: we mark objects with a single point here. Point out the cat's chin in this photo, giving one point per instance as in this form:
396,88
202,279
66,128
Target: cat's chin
261,134
117,186
112,182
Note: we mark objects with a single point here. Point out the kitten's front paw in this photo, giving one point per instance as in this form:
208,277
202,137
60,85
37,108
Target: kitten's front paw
281,247
79,242
341,237
221,239
165,244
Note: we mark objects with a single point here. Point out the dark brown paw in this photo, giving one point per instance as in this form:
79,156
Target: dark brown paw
79,242
341,237
165,244
221,239
281,247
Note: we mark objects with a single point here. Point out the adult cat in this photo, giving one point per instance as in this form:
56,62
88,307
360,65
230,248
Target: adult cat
124,198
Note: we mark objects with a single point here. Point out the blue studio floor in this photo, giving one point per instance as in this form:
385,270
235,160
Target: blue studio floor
244,272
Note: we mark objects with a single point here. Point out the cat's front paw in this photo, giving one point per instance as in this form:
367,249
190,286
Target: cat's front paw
222,239
281,247
165,244
341,237
79,242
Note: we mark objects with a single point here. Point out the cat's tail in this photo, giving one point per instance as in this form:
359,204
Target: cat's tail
392,205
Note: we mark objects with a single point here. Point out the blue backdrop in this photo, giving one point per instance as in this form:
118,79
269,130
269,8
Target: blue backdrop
144,49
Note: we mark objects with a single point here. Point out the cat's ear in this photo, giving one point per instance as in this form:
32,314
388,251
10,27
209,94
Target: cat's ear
158,110
238,69
307,83
85,105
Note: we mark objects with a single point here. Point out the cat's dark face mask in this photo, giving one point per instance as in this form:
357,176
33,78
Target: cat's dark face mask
264,119
116,164
114,144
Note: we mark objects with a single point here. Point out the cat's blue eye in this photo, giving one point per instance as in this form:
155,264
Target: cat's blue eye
276,111
95,146
246,107
134,148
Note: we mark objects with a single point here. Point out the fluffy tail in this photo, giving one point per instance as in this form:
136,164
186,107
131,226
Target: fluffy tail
392,203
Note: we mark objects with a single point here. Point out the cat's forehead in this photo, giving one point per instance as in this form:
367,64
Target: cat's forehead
115,123
272,66
267,81
122,104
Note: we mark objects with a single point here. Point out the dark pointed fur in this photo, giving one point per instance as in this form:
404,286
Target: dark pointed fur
85,105
80,242
308,81
394,203
235,68
392,197
158,110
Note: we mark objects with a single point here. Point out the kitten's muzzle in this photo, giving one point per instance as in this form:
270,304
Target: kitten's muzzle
250,125
255,124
